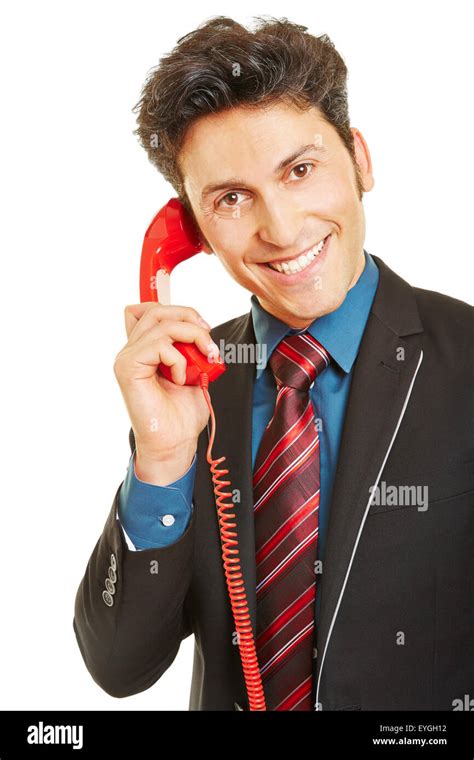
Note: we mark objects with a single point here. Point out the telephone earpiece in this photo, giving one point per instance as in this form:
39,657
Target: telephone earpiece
170,239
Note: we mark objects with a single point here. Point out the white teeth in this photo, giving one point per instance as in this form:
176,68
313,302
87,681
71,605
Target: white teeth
299,264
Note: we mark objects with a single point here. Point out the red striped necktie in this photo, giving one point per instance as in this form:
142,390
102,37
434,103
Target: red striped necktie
286,506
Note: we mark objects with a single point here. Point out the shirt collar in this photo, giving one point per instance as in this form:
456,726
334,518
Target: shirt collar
340,332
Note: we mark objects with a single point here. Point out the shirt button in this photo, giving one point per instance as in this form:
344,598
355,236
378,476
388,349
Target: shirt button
167,520
315,653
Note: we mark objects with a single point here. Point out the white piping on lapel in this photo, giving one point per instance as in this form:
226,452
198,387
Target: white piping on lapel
373,491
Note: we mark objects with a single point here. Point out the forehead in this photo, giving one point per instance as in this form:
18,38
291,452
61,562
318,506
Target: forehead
222,144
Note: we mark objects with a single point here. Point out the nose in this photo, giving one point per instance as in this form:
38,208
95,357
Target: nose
280,223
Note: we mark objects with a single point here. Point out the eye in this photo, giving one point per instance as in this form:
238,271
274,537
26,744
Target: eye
306,165
232,194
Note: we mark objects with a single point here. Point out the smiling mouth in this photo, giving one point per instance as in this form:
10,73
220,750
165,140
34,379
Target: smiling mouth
301,262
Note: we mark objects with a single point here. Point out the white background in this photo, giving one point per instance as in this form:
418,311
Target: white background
77,195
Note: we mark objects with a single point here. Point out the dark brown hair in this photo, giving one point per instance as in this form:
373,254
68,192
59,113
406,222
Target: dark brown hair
222,65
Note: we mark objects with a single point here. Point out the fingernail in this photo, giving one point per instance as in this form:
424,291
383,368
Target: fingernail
212,348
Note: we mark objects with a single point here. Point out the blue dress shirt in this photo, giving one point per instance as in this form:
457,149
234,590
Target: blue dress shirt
146,511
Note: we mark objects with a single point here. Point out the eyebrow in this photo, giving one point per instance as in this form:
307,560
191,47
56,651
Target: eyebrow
233,181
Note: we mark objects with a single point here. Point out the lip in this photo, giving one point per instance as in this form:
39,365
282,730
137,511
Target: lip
298,277
297,255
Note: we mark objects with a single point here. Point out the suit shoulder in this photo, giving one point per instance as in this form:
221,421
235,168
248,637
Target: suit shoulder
441,305
438,309
445,318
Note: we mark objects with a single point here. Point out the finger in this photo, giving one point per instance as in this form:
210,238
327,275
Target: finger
132,314
174,359
158,312
147,355
185,332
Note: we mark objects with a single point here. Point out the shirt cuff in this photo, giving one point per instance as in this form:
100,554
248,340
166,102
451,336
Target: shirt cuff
155,516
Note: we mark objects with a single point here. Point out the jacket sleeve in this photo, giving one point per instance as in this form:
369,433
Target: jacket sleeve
132,607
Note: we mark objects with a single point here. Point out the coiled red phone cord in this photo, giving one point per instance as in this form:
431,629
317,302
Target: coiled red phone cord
233,572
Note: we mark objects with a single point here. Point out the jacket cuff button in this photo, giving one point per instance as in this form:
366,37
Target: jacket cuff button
108,598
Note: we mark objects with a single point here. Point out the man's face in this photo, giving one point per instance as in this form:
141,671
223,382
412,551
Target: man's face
276,200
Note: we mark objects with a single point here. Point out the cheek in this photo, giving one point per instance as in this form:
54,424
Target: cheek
228,239
231,245
340,198
231,260
338,193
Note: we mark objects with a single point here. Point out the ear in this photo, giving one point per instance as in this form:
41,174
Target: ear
363,159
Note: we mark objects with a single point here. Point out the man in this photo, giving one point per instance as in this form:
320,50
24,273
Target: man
347,445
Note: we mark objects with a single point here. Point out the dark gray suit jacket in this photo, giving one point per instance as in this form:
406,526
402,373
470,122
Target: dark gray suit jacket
396,629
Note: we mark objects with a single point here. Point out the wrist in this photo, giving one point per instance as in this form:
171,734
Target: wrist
164,468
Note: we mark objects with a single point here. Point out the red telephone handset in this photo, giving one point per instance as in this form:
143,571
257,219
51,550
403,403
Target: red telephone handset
170,239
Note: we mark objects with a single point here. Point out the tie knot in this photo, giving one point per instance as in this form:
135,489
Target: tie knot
298,360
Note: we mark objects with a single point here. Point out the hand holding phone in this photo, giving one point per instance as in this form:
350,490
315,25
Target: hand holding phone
168,351
166,415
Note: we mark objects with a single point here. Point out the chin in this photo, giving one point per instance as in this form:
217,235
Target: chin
336,296
320,308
